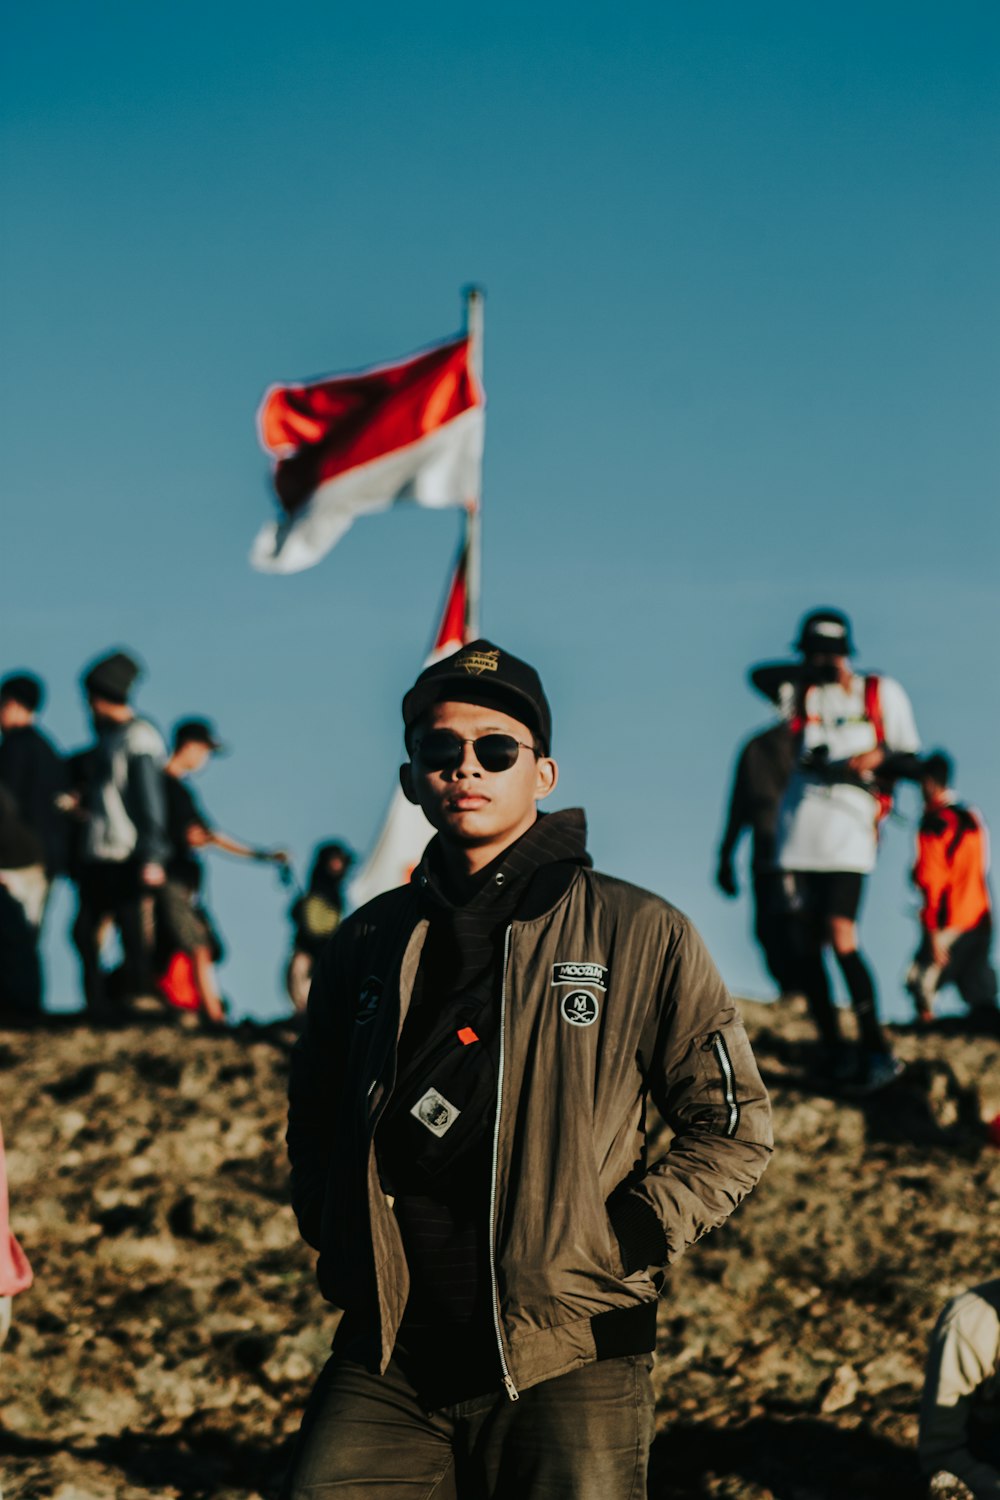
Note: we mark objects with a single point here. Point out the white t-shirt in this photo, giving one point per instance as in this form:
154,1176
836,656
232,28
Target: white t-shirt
827,825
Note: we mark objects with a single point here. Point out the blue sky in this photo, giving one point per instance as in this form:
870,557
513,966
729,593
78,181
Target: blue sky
741,355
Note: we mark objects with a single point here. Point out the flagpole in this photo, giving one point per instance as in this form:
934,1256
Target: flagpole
474,321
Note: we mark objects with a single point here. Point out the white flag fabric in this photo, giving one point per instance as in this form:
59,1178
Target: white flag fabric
358,444
406,832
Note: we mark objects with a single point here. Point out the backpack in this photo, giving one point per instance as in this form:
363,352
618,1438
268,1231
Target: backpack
873,713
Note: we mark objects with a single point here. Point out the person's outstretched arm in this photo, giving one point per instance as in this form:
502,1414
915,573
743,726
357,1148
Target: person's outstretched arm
200,836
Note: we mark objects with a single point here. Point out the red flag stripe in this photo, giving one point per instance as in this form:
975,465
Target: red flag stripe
323,429
452,629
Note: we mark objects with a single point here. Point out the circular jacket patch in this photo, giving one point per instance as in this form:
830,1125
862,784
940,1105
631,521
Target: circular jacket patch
579,1008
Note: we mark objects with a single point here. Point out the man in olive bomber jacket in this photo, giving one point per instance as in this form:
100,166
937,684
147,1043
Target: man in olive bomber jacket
467,1131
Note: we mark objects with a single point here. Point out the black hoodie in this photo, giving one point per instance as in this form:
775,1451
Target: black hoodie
440,1183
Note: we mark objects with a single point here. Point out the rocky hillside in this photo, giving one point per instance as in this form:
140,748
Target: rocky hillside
174,1329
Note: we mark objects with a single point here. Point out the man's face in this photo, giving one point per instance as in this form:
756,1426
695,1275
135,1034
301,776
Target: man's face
13,715
932,790
105,710
470,805
823,666
192,756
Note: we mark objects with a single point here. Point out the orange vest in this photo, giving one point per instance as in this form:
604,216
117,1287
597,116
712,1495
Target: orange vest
951,868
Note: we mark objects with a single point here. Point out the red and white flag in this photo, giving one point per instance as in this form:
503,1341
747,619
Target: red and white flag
357,444
406,832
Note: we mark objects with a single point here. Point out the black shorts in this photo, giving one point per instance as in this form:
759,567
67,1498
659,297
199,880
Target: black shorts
824,893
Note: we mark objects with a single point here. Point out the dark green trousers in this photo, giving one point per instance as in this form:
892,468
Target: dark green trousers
582,1436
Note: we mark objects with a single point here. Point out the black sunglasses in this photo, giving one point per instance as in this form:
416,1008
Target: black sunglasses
441,750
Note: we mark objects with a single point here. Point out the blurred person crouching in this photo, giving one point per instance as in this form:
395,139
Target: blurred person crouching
960,1409
316,915
187,927
956,917
122,842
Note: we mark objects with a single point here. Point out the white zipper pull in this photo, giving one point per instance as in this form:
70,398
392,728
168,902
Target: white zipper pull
511,1389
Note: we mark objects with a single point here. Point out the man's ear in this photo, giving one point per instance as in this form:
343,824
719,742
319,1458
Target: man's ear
406,782
546,776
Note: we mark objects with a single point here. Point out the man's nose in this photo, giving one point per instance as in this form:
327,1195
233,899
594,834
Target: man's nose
468,765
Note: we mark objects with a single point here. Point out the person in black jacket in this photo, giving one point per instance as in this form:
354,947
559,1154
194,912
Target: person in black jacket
762,771
32,769
34,777
22,896
187,925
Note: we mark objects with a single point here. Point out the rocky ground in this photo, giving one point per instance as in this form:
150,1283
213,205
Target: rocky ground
174,1329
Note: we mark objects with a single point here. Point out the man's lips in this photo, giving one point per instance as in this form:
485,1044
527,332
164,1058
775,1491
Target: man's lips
466,802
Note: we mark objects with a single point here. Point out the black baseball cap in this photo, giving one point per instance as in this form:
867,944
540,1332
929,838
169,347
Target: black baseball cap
24,688
198,732
482,673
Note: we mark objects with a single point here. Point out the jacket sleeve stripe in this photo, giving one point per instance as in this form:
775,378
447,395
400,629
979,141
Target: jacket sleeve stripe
728,1083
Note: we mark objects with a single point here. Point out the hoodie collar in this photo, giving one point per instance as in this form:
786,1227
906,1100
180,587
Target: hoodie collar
554,838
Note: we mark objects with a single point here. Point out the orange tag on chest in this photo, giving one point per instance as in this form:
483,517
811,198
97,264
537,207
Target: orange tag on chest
467,1035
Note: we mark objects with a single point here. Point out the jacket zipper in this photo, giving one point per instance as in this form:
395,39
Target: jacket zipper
728,1081
509,1385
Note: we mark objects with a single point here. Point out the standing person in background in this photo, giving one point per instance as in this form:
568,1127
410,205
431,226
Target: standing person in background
762,771
316,914
32,769
854,733
22,900
956,916
123,841
467,1131
187,926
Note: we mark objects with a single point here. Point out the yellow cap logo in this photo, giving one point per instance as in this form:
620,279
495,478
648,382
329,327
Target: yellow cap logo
478,662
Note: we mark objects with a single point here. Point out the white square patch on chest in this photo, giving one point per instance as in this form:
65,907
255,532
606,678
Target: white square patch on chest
434,1110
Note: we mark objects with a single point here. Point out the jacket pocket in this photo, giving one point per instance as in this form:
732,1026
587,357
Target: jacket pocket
615,1261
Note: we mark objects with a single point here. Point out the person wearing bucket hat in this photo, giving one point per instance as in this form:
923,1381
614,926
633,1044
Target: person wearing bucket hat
123,842
855,735
187,926
466,1129
825,632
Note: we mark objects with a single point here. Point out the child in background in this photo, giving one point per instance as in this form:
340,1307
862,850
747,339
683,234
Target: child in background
316,915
